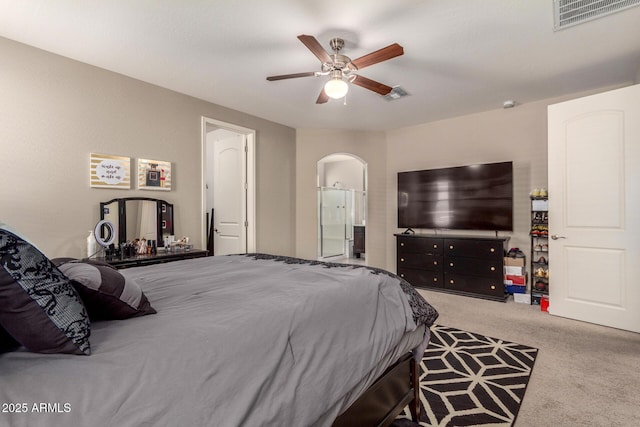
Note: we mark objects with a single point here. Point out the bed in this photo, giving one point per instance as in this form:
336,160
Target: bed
243,340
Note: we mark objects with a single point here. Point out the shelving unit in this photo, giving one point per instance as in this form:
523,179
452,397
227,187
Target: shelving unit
539,249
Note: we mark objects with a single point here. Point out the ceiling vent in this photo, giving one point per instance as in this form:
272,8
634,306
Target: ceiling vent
572,12
396,93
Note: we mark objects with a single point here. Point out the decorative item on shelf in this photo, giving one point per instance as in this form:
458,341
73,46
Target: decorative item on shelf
142,246
181,244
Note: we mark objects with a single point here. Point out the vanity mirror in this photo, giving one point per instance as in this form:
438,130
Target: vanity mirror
139,217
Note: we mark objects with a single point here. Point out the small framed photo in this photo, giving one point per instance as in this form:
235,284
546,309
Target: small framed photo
107,171
154,175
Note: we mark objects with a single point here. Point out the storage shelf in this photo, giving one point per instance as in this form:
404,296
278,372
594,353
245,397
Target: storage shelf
539,218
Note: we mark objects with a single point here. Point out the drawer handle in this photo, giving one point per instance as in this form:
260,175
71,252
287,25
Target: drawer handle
450,246
435,246
493,250
493,286
401,274
401,259
451,281
450,264
493,269
401,244
435,279
435,262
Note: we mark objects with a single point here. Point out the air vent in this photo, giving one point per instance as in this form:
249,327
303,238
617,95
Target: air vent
572,12
396,93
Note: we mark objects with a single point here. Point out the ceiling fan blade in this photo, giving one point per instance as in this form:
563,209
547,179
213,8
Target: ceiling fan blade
322,98
372,85
314,46
380,55
291,76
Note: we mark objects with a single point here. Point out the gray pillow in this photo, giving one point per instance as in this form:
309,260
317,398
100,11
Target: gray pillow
39,307
106,293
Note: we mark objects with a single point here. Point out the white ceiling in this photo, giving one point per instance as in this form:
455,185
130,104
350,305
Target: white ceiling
461,56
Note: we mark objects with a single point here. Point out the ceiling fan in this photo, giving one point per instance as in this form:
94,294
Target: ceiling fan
341,68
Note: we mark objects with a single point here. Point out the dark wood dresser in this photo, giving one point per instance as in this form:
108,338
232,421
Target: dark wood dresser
160,257
467,265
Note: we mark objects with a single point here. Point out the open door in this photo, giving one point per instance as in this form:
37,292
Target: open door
228,187
594,209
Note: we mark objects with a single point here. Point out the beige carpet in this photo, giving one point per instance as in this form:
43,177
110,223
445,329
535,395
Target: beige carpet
585,375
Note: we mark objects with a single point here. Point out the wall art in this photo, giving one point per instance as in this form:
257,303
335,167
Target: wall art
107,171
154,175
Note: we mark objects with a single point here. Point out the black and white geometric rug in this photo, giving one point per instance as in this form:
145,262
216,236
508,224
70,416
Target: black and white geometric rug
469,379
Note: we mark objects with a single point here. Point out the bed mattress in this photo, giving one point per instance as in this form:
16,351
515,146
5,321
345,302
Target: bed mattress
237,340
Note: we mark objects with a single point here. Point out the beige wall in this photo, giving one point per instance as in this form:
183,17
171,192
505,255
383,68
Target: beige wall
56,111
313,145
518,134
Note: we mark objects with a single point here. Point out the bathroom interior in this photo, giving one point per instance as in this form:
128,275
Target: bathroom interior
342,207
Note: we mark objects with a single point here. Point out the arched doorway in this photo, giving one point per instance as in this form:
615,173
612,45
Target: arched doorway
342,208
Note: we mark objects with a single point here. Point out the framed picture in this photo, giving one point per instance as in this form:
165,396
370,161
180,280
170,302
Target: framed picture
154,175
107,171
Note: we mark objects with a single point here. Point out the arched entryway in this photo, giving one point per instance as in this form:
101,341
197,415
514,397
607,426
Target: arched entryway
342,207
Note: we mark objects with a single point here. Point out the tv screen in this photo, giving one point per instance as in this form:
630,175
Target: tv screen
474,197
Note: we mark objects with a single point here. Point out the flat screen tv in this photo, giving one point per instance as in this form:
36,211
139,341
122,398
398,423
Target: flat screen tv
474,197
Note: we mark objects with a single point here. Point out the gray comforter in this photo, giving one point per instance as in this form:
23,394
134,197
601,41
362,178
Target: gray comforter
237,341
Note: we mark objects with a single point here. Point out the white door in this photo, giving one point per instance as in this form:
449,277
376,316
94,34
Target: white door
229,194
594,209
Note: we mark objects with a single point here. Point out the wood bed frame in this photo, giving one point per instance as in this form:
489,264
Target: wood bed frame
383,401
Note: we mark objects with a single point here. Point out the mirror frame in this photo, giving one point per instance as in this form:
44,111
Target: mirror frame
122,217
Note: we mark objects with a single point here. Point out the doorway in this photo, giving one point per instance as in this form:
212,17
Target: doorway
342,201
228,188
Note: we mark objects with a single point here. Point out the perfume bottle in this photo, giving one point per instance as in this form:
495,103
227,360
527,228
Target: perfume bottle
153,176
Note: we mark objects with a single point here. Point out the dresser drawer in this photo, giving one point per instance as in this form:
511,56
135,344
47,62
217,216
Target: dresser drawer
491,286
421,261
421,278
425,245
486,249
473,266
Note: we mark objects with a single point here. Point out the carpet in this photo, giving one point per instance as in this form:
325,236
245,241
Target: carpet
469,379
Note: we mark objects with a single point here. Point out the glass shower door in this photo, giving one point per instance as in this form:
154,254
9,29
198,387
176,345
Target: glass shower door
333,221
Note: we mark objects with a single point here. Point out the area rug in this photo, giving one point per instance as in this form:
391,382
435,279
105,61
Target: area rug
470,379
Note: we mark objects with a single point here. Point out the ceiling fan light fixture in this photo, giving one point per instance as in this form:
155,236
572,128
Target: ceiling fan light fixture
336,88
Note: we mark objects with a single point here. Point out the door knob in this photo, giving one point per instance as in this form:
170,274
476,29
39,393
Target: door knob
556,237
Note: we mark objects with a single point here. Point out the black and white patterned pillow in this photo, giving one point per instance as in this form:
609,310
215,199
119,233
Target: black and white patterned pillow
106,293
39,307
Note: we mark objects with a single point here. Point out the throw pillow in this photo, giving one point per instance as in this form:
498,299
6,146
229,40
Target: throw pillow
39,307
106,293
